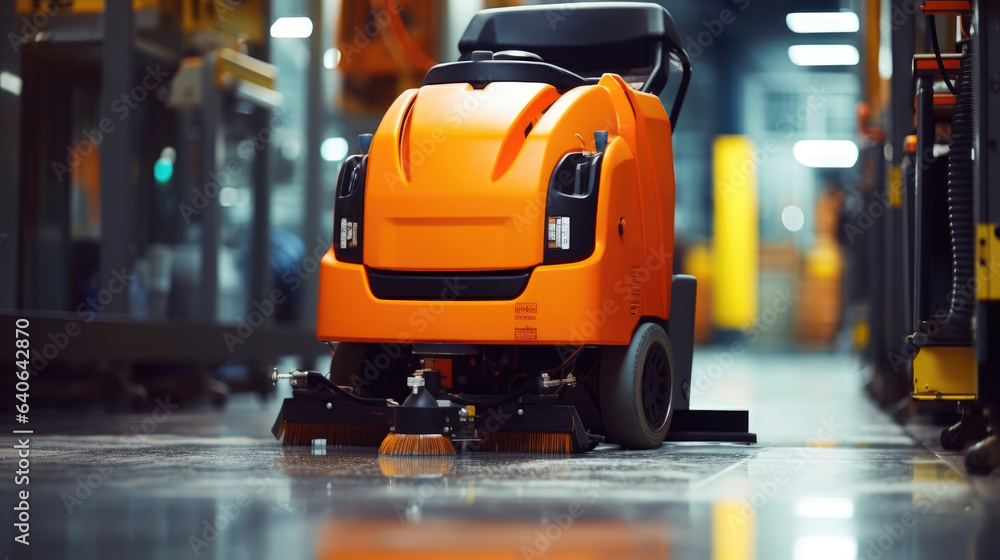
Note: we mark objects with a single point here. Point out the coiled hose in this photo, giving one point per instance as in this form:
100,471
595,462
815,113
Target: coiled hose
961,220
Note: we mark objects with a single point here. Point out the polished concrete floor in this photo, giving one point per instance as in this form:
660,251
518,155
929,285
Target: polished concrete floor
832,478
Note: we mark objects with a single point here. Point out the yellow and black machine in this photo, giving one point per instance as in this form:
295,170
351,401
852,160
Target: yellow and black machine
501,270
941,236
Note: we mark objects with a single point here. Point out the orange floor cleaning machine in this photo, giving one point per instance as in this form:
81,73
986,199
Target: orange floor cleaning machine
501,274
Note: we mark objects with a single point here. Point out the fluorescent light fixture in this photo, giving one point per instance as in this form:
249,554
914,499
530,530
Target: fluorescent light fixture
823,22
228,196
827,508
334,149
292,28
826,153
10,82
885,63
793,219
825,548
824,55
331,58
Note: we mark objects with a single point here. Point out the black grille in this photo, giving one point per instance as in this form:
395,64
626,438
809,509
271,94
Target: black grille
447,286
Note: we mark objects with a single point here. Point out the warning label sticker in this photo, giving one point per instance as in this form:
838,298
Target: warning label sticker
525,333
558,232
348,234
635,289
525,311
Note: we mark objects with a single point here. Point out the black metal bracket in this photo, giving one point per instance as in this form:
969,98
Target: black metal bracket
310,406
711,425
330,410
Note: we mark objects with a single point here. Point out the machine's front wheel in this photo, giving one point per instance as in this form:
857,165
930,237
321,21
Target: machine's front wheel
635,389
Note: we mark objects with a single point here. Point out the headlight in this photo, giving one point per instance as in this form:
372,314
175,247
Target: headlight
349,207
571,208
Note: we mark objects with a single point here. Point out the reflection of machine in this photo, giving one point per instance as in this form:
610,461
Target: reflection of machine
508,233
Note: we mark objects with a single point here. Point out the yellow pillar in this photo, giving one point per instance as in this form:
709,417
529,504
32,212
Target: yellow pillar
735,236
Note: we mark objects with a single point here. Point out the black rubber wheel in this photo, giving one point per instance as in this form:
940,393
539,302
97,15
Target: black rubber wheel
636,389
951,440
977,461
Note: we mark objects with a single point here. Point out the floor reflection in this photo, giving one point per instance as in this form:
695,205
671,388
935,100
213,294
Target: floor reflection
825,483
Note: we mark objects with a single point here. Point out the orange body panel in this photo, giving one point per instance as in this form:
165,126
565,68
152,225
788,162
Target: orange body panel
455,184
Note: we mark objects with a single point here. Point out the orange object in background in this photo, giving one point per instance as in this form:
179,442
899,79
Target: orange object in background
822,276
28,7
85,185
230,22
457,182
698,263
575,539
384,47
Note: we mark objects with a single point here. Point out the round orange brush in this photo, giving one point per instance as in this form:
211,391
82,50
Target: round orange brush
399,443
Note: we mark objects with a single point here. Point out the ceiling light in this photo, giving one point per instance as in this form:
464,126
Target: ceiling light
292,28
334,149
792,218
829,508
824,55
825,548
826,153
823,22
10,82
331,58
